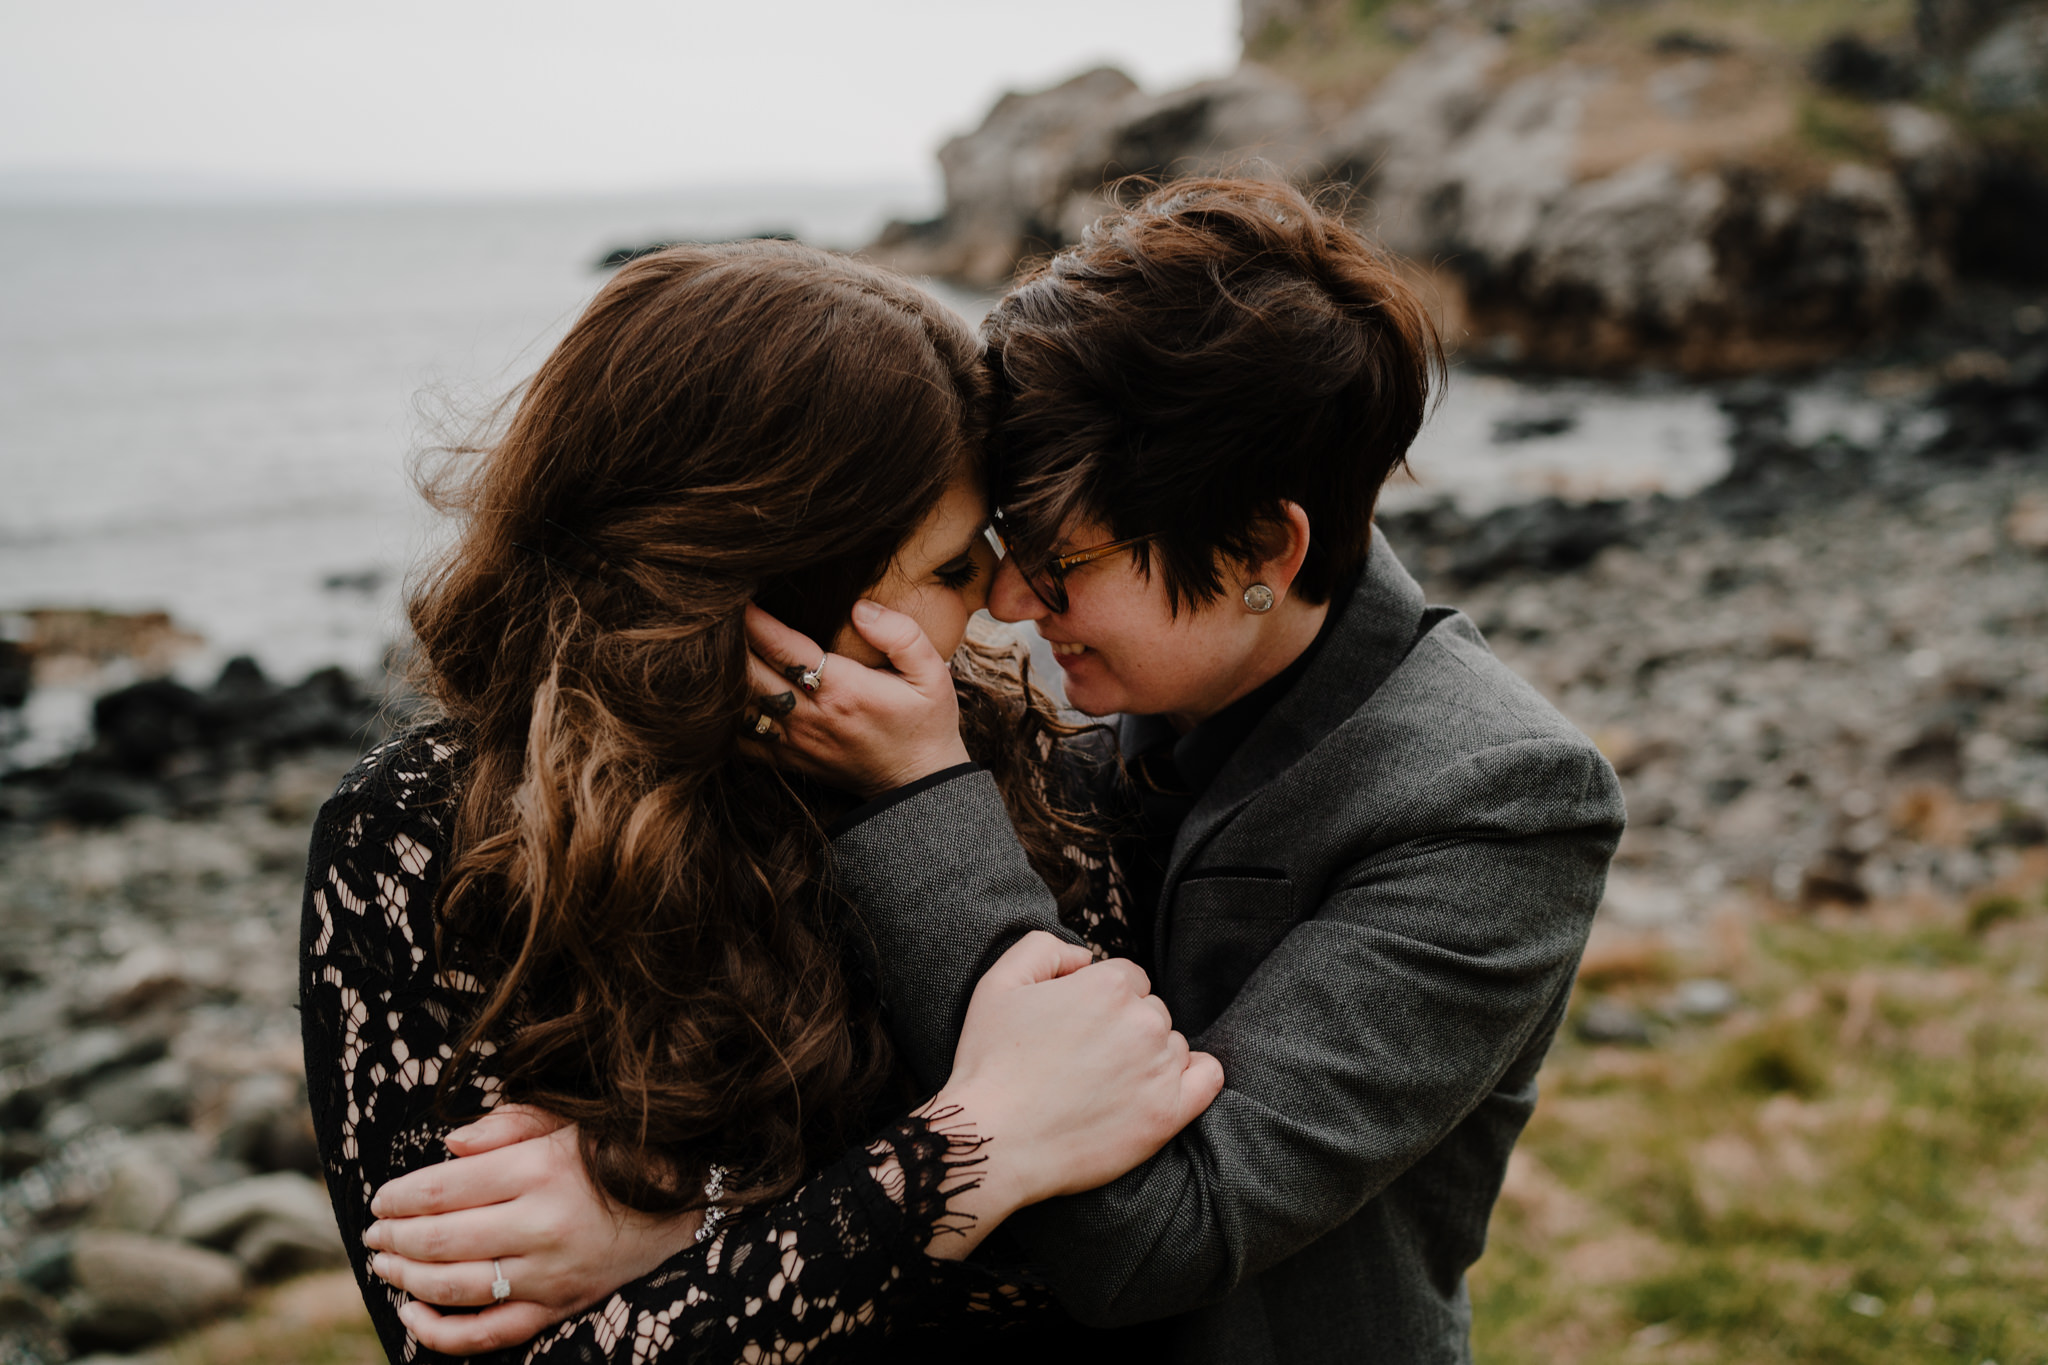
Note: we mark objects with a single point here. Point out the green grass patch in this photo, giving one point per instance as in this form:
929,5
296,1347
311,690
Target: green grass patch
1775,1059
1986,911
1843,129
1851,1168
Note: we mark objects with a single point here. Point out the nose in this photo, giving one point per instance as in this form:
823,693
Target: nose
1010,598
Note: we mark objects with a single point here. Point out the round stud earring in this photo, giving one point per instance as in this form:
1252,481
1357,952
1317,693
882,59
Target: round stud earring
1258,597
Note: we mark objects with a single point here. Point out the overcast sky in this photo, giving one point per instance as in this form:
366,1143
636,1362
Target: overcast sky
550,95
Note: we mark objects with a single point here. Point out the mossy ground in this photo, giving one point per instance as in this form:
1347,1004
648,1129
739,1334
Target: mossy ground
1343,45
1852,1167
1756,105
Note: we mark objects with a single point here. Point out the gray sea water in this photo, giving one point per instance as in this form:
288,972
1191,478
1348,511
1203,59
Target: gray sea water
208,408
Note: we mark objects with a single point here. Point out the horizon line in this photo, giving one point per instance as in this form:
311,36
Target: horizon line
110,184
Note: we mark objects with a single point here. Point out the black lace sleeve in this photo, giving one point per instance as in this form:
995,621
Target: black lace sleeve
831,1272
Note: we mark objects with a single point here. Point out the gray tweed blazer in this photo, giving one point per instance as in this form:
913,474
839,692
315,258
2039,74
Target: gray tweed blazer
1372,918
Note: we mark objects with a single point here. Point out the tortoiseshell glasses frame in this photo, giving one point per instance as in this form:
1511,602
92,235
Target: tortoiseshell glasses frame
1049,584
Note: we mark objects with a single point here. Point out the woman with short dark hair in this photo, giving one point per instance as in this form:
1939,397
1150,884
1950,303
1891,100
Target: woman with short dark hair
1365,855
1201,359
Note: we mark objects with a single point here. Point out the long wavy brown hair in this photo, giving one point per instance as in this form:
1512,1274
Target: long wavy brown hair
651,912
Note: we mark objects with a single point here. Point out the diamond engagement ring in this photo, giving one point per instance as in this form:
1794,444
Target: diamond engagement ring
811,677
501,1288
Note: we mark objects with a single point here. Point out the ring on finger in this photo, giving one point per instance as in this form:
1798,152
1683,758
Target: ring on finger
501,1288
763,724
811,677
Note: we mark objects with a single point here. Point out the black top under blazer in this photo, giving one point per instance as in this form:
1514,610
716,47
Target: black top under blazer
1372,917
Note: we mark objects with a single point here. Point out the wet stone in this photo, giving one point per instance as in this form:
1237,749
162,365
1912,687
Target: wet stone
139,1193
1614,1022
129,1290
218,1217
160,1093
276,1248
1703,998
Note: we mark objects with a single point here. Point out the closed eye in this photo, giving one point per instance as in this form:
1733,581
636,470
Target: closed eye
959,573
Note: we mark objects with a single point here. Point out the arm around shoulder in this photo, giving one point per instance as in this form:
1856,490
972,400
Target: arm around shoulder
944,889
1378,1023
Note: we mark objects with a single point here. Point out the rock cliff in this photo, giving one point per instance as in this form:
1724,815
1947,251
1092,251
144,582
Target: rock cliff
1591,185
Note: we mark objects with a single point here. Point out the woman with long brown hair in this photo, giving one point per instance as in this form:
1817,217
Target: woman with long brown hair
576,889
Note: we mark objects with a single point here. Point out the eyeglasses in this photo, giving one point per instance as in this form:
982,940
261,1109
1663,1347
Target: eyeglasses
1049,584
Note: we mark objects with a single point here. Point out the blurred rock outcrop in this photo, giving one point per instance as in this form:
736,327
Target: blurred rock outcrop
160,746
1032,176
1588,199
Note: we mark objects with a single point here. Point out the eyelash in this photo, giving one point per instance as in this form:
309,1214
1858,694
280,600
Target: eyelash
959,578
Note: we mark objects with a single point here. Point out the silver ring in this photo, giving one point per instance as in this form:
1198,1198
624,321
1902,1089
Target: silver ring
501,1288
811,677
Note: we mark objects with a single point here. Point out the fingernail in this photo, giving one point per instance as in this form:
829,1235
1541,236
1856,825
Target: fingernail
370,1232
375,1268
866,612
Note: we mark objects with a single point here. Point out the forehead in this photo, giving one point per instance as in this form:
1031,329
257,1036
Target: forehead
951,526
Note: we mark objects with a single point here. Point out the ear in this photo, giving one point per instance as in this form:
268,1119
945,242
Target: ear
1287,543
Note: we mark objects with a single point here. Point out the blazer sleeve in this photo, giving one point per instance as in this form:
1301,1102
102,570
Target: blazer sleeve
1378,1023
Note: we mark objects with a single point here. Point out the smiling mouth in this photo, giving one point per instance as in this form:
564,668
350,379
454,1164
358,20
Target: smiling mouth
1064,650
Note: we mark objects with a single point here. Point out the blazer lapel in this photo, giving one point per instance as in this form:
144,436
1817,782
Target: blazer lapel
1375,633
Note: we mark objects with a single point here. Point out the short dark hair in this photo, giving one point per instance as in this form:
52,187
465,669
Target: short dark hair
1215,349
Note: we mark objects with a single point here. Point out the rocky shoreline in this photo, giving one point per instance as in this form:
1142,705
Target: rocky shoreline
156,1156
1824,680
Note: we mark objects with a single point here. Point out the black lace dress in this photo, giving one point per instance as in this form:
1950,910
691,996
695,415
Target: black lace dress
834,1271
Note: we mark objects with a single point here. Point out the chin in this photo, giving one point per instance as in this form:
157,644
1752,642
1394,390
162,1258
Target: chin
1090,701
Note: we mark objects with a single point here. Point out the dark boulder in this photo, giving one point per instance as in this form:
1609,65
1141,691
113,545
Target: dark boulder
1851,65
1769,473
91,796
14,674
619,255
139,726
2000,234
1549,535
1546,536
244,714
1994,414
364,581
1532,427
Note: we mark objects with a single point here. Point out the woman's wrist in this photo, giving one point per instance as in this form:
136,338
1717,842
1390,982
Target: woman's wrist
917,765
995,1186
